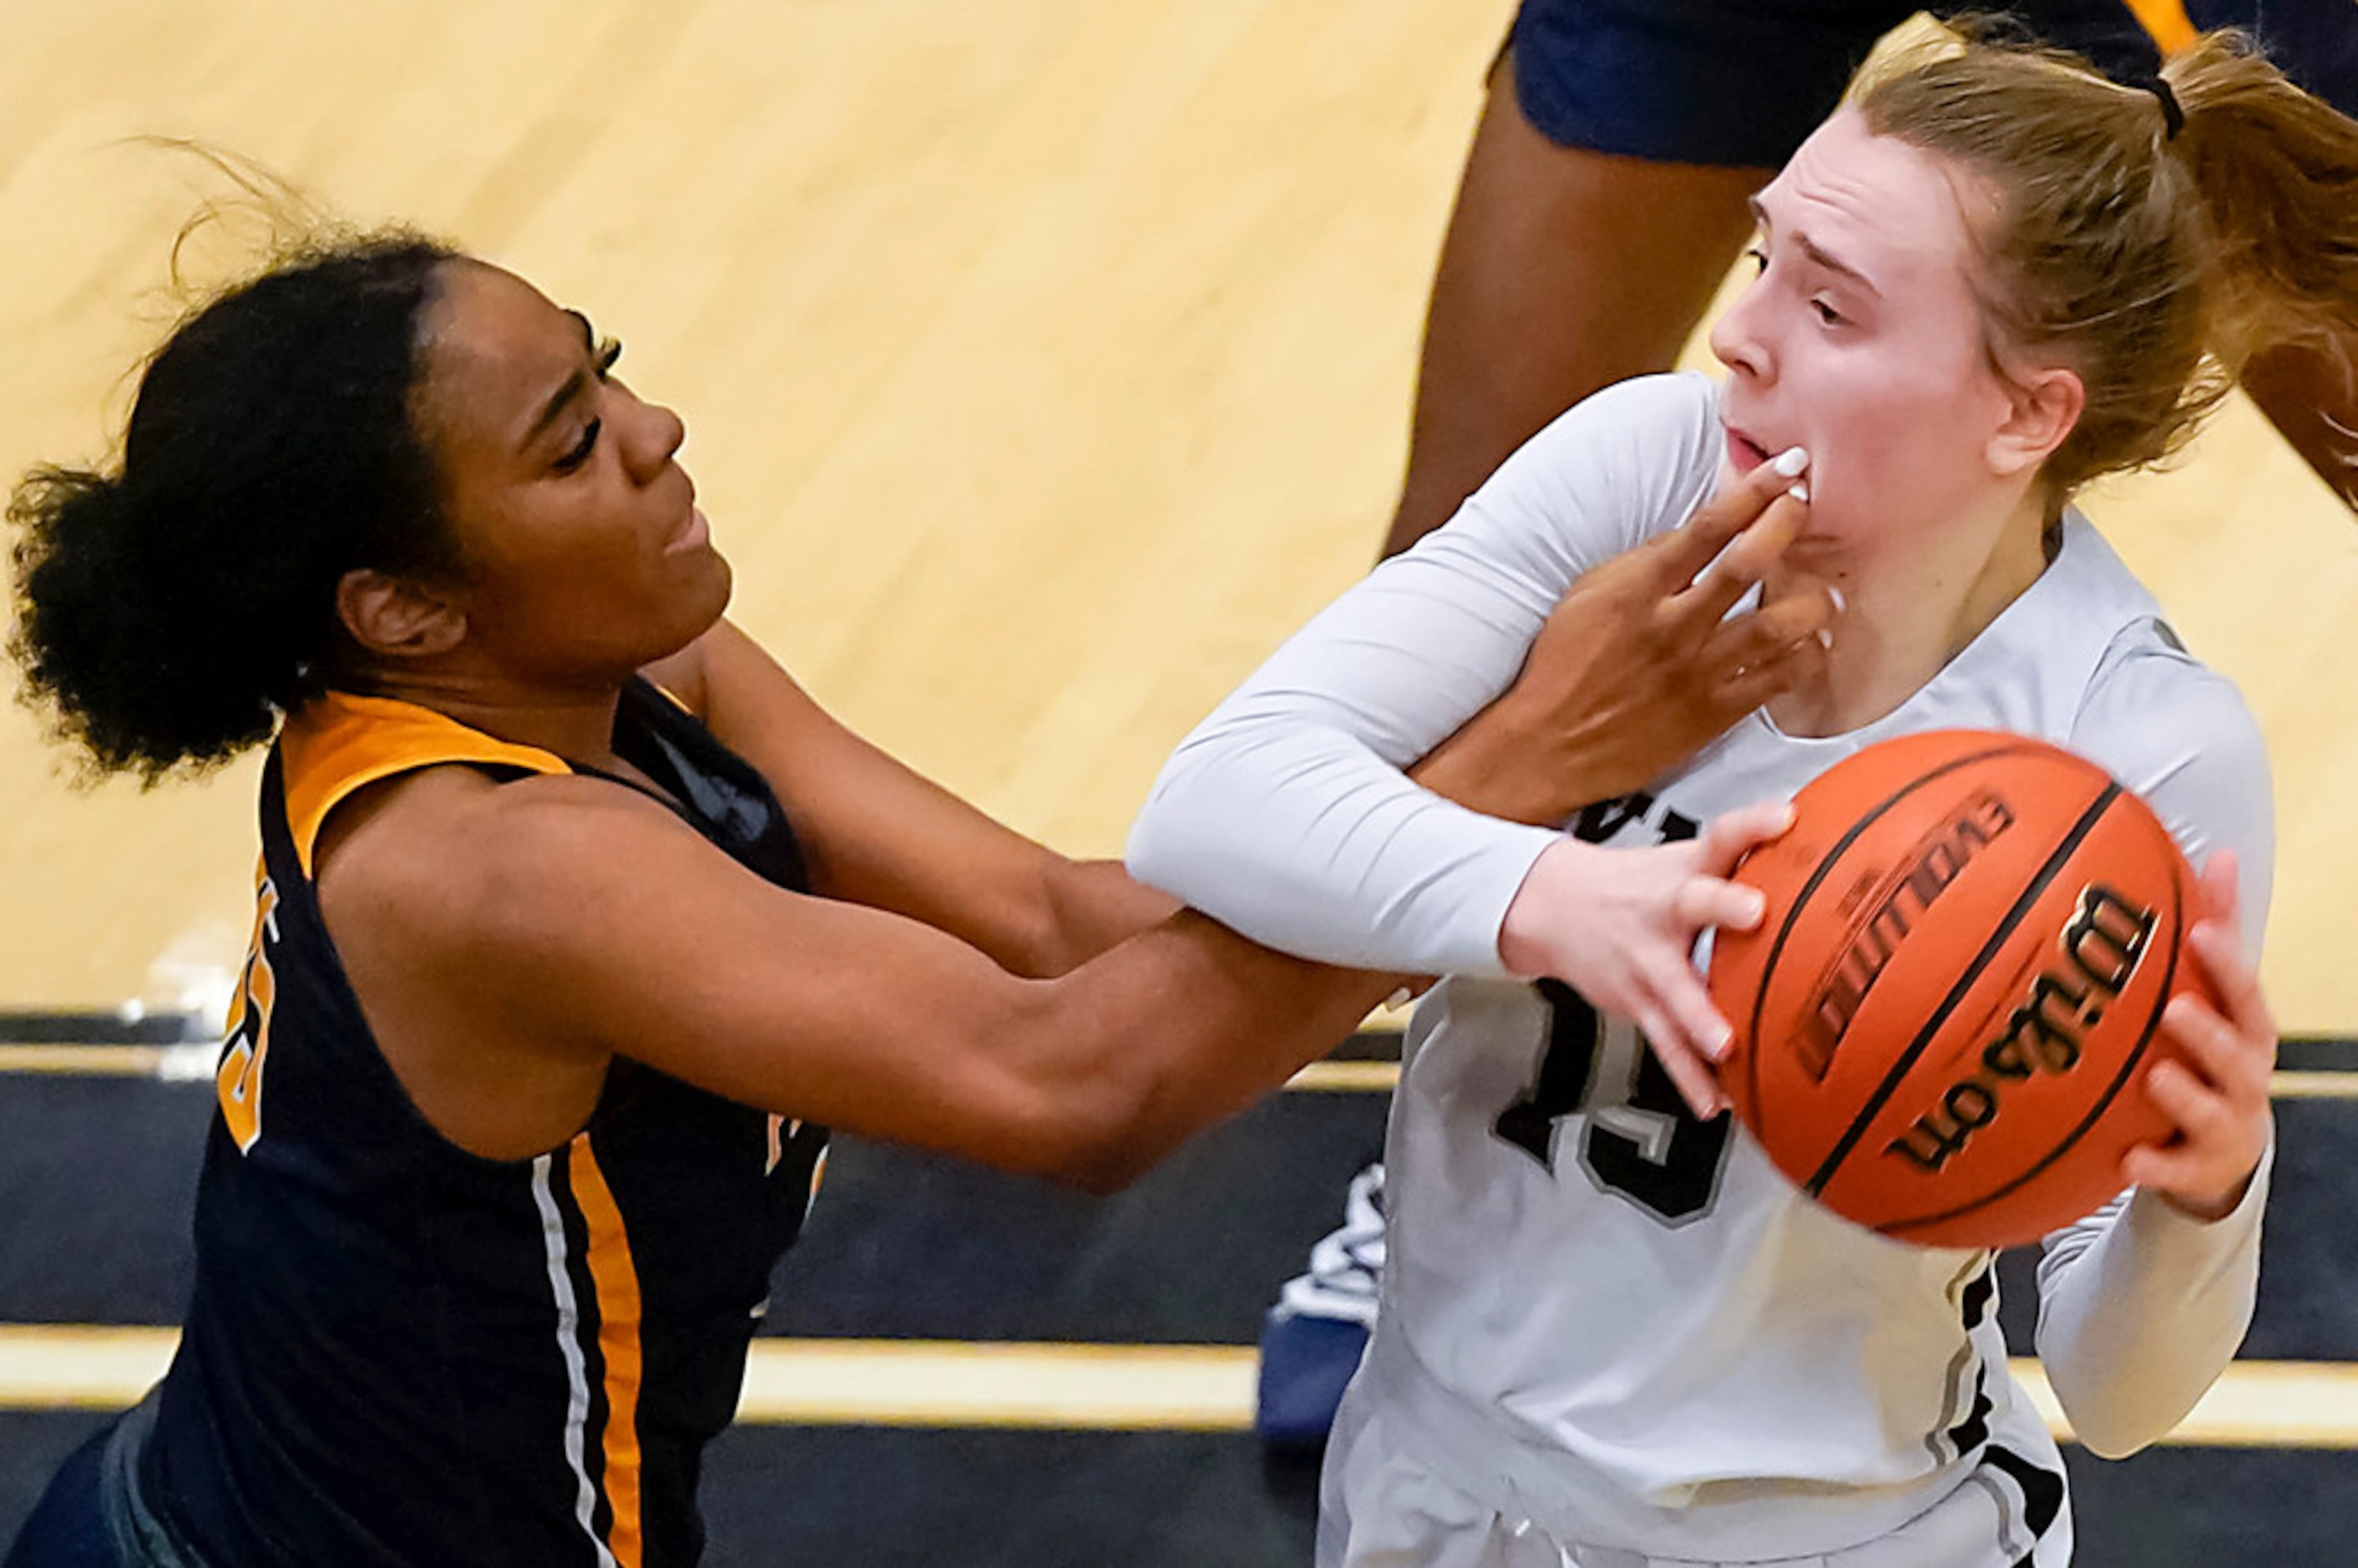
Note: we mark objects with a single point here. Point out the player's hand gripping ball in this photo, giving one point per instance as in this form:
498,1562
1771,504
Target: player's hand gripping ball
1941,1023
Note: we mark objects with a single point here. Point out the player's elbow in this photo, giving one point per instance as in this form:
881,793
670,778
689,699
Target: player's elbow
1058,1105
1181,840
1078,1136
2107,1441
2109,1426
1102,1170
1103,1134
1155,850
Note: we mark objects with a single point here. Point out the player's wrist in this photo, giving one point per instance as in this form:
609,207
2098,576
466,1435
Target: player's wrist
1511,764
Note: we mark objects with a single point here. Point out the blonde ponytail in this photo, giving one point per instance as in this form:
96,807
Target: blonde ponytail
2152,253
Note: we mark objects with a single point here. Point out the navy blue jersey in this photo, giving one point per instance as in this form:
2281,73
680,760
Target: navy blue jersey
399,1352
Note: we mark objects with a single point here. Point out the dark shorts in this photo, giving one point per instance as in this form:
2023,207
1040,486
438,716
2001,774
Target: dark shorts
1740,84
68,1527
92,1515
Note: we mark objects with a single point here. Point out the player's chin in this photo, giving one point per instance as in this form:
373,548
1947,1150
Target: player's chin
695,598
717,582
701,576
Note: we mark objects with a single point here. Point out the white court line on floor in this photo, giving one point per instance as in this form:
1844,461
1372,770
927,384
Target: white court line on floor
1107,1388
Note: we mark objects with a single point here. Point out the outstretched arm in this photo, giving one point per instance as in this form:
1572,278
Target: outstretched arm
1289,814
1632,671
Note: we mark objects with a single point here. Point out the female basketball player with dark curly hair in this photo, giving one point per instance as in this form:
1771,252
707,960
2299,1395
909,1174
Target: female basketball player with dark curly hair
559,976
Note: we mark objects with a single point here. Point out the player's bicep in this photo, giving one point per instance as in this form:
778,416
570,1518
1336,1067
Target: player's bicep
612,928
874,829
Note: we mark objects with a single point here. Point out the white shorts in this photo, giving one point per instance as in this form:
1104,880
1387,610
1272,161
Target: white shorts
1378,1508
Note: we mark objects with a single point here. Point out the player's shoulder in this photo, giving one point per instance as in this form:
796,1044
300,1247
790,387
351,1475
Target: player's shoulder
1629,463
2139,688
437,851
2150,692
2181,735
1670,417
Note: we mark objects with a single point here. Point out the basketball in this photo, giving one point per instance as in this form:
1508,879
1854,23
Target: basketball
1943,1021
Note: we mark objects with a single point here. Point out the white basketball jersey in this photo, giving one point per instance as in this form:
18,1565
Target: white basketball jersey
1624,1317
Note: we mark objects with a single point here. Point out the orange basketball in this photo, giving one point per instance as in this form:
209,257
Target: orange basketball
1943,1023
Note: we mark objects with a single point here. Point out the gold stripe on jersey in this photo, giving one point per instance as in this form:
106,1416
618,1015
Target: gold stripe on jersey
340,743
615,1279
2166,20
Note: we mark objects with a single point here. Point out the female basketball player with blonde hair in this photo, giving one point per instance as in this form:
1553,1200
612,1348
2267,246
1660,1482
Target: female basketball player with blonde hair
1609,1333
558,978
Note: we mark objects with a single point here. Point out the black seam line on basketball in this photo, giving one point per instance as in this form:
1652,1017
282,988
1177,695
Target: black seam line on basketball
1898,1229
1917,1047
1800,901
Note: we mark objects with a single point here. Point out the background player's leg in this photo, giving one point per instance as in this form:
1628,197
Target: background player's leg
2312,399
67,1527
1564,271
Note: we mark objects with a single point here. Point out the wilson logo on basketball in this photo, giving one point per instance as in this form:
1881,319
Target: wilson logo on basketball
2103,946
1895,903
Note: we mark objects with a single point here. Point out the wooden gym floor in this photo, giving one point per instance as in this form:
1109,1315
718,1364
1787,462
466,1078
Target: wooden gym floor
1045,364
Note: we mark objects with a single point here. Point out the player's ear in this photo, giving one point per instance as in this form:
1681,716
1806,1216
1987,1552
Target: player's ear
2043,407
397,618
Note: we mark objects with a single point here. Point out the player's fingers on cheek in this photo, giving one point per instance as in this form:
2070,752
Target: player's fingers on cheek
1740,694
1697,611
1773,515
1703,542
1720,519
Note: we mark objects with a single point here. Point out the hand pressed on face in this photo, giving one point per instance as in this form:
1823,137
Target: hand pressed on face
1642,665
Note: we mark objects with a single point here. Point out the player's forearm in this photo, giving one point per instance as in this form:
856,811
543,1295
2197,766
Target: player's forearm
1517,769
1174,1030
2138,1317
1091,907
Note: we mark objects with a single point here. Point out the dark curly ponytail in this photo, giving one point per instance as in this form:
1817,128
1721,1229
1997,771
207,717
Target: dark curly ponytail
169,611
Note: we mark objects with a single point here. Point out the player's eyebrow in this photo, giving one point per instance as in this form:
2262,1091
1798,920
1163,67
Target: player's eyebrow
572,387
1813,251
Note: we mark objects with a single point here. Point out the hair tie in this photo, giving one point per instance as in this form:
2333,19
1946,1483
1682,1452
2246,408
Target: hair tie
2173,117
